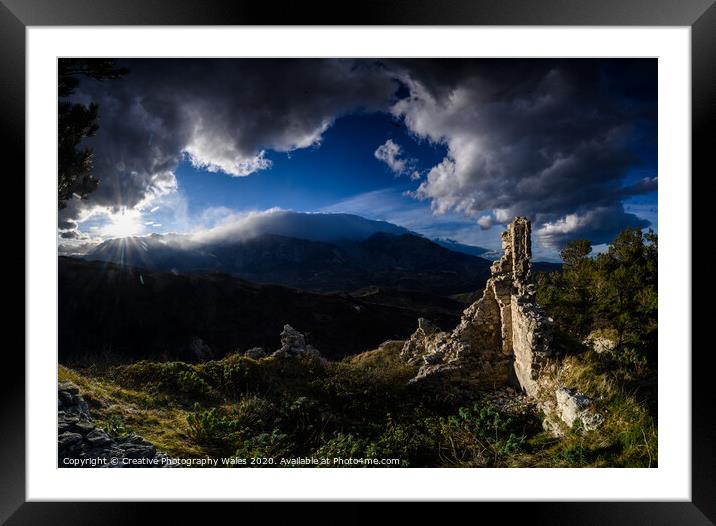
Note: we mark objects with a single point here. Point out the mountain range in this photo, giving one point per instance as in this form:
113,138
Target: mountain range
316,252
347,282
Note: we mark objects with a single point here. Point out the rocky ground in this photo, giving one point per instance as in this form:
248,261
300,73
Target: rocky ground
80,443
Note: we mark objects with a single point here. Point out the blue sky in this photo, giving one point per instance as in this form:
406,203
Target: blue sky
449,149
342,175
343,165
339,175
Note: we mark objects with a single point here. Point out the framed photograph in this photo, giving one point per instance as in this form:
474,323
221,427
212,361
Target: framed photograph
399,256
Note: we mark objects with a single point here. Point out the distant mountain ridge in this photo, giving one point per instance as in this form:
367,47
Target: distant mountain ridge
317,252
301,225
348,283
405,261
456,246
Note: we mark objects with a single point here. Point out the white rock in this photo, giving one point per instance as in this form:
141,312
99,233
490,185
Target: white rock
573,406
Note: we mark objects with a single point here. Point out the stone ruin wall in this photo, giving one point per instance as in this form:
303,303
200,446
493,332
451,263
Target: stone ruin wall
503,338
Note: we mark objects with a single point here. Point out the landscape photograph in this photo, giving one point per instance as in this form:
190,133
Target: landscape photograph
357,263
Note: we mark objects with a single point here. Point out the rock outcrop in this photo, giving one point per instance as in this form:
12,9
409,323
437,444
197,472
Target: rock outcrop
601,341
293,343
502,338
80,443
200,350
256,353
565,407
573,405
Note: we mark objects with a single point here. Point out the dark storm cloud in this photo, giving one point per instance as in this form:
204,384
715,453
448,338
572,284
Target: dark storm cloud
598,224
550,139
223,114
66,224
75,249
70,234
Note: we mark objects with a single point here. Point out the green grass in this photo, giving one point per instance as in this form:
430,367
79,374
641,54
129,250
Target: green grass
360,407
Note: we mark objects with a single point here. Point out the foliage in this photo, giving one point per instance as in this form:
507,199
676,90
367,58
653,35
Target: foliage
615,290
342,445
265,446
76,122
350,411
494,434
116,427
168,377
363,407
210,427
574,455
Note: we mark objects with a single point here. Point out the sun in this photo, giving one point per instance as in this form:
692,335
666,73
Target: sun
124,224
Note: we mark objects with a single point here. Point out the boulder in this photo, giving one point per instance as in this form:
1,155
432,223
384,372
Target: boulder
134,446
200,350
79,438
292,340
573,405
97,437
421,342
293,343
84,426
601,341
68,442
256,353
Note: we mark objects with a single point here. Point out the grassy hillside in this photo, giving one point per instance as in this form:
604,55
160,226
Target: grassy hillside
360,407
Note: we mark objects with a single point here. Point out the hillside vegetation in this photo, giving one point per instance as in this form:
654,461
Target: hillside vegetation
364,407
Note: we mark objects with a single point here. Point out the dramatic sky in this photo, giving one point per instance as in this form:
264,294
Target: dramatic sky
450,148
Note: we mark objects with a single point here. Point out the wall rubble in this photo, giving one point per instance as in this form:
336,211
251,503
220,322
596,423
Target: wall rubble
80,443
503,338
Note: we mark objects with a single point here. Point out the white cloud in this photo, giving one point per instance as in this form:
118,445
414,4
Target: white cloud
543,140
485,222
390,153
394,206
224,115
538,138
597,223
242,226
229,162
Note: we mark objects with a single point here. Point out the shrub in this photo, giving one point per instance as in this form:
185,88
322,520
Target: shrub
265,447
342,445
168,377
237,377
208,427
115,426
366,392
413,442
574,455
190,382
495,434
256,413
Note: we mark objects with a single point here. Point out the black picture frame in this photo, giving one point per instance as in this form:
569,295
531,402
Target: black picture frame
699,15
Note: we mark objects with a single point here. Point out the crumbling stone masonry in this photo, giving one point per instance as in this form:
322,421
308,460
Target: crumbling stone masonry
80,443
503,338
